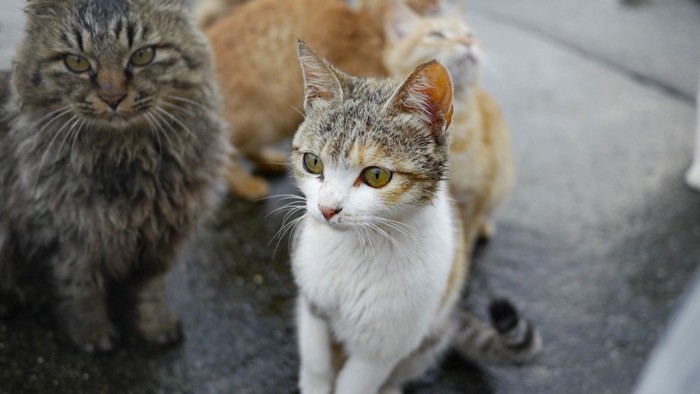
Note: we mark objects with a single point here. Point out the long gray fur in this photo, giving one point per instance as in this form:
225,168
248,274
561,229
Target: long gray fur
92,210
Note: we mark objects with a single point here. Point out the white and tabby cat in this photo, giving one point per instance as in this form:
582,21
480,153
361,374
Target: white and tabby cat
380,255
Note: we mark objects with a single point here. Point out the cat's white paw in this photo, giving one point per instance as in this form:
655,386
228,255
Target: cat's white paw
315,383
692,177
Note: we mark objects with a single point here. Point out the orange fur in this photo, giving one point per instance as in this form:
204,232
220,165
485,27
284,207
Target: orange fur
256,60
481,163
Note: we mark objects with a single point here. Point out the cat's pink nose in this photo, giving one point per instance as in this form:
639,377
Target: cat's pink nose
466,41
328,213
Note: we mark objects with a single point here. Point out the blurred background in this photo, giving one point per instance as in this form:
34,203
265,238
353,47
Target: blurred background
596,244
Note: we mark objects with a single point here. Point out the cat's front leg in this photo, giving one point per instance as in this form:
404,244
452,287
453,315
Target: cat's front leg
81,308
155,322
363,376
316,372
692,176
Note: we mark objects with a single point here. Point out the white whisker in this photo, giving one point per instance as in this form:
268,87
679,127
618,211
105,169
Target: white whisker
48,148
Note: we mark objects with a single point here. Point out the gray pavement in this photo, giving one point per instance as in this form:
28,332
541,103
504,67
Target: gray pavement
595,245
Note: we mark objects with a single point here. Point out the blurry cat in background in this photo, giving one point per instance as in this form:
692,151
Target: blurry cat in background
260,76
380,256
692,177
207,11
480,155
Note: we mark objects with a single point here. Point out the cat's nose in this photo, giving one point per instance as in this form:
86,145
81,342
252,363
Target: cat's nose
112,95
328,213
466,41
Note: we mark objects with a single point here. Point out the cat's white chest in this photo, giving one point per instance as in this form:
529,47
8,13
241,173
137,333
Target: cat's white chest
377,296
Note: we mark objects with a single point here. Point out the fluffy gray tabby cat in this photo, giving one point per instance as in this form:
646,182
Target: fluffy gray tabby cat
110,146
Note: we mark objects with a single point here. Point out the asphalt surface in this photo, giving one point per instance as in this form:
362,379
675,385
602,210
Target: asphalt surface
595,245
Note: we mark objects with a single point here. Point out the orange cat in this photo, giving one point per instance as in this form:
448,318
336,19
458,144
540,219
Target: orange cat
207,11
481,168
255,48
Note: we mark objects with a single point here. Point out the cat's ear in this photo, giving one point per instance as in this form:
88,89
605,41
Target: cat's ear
447,10
427,96
399,20
321,80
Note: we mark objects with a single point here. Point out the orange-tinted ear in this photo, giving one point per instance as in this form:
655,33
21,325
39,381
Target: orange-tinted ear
321,83
426,93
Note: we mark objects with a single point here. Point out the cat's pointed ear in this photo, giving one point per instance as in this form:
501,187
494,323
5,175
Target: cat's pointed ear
321,80
399,20
426,95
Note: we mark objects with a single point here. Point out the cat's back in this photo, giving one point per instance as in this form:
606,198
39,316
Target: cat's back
255,44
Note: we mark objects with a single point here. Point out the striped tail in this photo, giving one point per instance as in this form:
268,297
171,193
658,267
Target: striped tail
510,339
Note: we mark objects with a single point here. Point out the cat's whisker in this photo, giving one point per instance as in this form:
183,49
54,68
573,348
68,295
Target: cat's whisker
283,197
365,231
160,121
74,124
76,135
62,109
48,148
391,239
297,110
176,120
294,232
155,132
53,119
397,227
178,107
284,230
363,242
291,205
188,101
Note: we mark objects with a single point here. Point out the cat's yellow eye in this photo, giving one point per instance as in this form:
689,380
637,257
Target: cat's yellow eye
76,64
312,163
143,56
376,176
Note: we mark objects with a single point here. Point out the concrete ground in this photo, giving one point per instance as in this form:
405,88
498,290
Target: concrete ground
595,245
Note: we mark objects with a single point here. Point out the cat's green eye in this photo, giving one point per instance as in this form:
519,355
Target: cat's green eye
376,176
143,56
312,163
76,64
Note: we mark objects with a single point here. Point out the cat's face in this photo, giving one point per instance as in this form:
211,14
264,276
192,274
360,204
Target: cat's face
112,62
370,151
412,40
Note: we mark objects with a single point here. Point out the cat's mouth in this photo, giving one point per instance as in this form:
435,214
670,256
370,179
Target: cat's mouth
115,119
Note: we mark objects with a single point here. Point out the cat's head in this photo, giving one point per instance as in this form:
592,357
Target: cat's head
110,61
412,39
370,149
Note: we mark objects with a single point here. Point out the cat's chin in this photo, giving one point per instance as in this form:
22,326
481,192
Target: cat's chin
336,225
119,122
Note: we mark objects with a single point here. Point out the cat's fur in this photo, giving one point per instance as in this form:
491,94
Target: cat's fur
207,11
260,77
380,270
481,161
97,199
692,176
